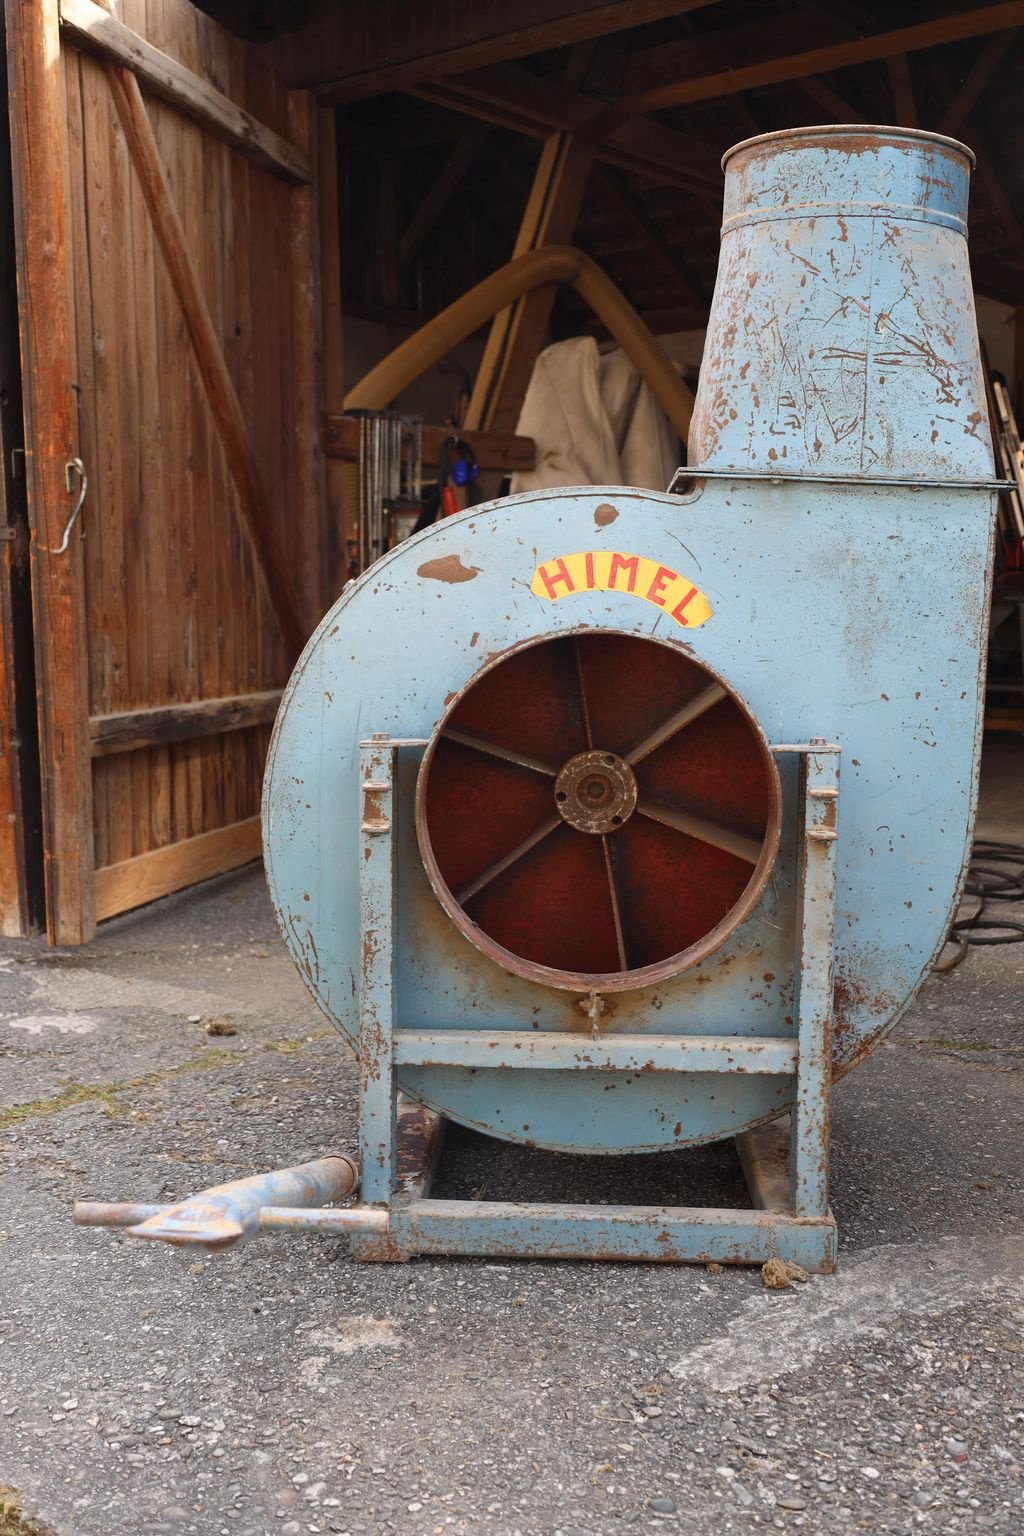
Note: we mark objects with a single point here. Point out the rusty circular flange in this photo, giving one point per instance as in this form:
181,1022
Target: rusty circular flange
665,837
596,792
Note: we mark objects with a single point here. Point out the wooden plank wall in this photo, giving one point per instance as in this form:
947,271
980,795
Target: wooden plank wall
176,611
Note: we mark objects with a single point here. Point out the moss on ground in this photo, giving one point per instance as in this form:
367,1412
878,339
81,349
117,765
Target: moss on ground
12,1521
106,1094
72,1093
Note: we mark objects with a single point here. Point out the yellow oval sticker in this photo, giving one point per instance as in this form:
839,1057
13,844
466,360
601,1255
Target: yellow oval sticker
608,570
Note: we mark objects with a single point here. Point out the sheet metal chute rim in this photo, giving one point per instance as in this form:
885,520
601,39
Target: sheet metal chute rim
585,798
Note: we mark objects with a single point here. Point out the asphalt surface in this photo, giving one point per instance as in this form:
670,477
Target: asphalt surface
285,1389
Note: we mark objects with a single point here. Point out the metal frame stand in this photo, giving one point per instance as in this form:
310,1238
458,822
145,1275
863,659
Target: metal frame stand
786,1172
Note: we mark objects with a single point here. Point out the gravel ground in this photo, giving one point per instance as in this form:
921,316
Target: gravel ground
284,1389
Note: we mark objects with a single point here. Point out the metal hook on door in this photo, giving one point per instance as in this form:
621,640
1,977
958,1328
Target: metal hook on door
73,468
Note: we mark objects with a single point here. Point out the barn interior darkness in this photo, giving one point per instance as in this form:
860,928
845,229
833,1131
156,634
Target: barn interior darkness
650,209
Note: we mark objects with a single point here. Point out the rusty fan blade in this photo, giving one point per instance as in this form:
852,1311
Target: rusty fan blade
526,809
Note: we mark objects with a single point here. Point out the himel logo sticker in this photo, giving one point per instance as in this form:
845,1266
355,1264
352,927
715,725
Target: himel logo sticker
605,570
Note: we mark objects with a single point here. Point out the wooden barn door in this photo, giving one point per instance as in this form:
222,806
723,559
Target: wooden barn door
168,259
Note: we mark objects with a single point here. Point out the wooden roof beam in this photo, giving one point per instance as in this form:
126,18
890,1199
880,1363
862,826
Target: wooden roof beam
441,190
901,85
516,100
975,81
986,172
366,47
862,50
841,109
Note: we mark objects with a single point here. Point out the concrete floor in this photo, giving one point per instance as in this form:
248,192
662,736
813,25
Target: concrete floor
283,1389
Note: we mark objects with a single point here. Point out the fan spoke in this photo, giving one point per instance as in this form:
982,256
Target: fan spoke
613,892
506,754
697,706
584,711
501,865
730,841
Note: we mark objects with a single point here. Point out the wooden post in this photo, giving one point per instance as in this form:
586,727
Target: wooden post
306,404
337,477
38,135
901,85
22,906
517,332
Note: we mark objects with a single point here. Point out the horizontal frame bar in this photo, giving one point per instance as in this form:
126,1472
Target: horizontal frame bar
682,1234
580,1053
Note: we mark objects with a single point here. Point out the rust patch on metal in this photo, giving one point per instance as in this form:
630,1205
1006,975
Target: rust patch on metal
850,997
605,514
447,568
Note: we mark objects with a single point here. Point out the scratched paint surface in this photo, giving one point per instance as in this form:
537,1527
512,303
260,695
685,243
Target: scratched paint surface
843,335
854,613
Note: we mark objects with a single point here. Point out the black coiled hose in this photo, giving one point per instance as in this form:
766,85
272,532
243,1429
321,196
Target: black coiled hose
995,873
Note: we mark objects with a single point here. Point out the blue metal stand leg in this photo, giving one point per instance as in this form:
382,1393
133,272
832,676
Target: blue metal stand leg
816,922
799,1227
377,1092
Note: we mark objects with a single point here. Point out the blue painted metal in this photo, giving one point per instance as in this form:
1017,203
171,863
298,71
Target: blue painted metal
376,878
816,901
842,336
842,348
614,1053
858,614
651,1234
836,516
837,520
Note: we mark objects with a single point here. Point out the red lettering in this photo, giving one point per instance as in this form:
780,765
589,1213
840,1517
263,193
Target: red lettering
561,574
662,575
619,563
677,611
588,559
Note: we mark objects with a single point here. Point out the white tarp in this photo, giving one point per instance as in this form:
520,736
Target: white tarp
595,422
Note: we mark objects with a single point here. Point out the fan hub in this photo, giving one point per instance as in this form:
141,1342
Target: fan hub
596,792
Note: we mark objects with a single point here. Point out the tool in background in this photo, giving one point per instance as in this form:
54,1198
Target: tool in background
390,479
457,467
1009,456
1004,686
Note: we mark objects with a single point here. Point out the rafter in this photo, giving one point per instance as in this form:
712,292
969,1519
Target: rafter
612,190
820,91
512,98
864,50
366,47
901,85
987,173
975,81
441,190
